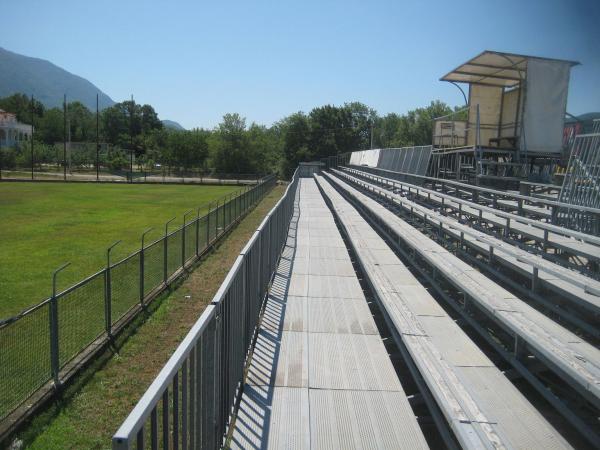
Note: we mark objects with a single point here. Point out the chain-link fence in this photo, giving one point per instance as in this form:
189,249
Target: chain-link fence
188,405
43,344
79,161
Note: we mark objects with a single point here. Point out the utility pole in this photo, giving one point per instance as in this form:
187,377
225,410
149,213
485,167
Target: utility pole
131,111
65,137
371,134
97,141
32,136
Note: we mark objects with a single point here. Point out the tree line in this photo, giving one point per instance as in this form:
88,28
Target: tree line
232,146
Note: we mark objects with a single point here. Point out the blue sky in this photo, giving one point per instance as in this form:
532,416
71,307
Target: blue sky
196,60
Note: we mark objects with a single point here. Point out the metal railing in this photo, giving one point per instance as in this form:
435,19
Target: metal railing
440,222
588,217
414,191
41,347
188,405
581,185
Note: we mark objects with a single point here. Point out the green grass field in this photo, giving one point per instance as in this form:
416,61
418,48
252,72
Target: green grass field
43,225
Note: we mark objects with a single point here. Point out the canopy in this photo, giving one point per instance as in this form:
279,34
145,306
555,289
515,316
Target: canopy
495,69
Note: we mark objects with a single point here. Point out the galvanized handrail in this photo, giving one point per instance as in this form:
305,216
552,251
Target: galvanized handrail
142,410
584,237
197,388
515,196
535,261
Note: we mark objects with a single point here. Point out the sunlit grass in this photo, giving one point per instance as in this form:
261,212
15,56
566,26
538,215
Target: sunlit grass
43,225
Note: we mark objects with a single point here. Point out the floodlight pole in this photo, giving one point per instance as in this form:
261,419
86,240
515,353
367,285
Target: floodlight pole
97,140
32,136
65,137
131,140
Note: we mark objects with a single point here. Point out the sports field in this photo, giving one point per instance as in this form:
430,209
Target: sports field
43,225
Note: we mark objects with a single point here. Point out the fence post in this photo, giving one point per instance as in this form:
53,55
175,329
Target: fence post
183,240
108,294
226,216
231,205
165,250
208,225
142,267
216,218
235,206
225,205
198,233
245,199
54,350
223,208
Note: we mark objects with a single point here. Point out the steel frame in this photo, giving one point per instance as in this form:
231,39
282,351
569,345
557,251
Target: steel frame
540,246
438,418
577,315
518,351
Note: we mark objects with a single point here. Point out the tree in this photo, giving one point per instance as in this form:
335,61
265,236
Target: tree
51,127
296,135
189,148
20,104
326,128
423,121
81,122
126,119
149,119
230,146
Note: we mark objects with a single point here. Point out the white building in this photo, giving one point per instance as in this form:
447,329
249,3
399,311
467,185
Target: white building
12,131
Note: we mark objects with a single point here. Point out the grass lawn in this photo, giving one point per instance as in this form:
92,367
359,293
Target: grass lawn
93,408
43,225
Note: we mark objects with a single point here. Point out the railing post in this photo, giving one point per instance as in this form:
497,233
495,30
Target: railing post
108,294
165,251
142,267
53,316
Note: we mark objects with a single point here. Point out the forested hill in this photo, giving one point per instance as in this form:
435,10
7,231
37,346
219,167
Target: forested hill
172,125
46,81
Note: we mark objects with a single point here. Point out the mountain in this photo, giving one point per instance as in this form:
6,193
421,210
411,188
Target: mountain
46,81
172,124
